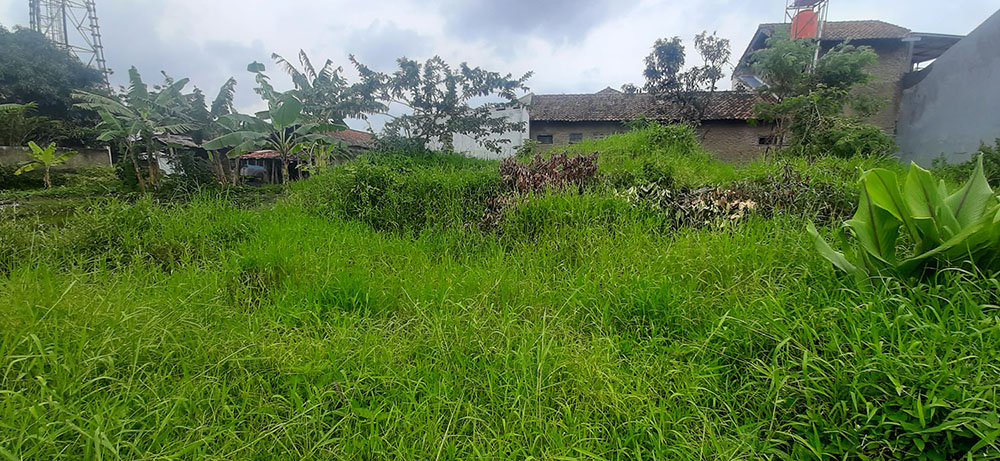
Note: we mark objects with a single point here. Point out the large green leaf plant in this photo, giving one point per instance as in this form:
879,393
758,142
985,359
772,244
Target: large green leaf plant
44,158
284,128
944,229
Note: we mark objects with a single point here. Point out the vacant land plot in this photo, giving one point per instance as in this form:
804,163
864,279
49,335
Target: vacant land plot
416,307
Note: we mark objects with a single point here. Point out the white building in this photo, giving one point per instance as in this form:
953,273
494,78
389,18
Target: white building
468,145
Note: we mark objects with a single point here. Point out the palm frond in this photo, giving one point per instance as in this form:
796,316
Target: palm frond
307,66
171,92
298,78
223,103
98,102
138,93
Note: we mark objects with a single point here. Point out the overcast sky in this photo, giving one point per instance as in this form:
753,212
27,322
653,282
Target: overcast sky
573,46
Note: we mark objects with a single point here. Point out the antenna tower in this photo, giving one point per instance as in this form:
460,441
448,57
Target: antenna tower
71,25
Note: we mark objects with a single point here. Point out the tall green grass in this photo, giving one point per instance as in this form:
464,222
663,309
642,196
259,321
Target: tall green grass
582,328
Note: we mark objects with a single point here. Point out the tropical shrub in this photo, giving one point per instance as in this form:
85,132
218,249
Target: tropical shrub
44,158
943,229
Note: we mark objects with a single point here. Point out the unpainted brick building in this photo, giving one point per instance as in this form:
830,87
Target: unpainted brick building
899,52
725,130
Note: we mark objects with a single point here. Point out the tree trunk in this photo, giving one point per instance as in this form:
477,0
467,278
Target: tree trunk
284,170
138,172
48,182
154,164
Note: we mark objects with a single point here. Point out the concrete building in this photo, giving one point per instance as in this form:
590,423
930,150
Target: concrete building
900,51
515,139
953,105
562,119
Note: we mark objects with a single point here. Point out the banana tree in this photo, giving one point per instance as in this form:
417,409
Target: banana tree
283,128
135,120
943,228
44,158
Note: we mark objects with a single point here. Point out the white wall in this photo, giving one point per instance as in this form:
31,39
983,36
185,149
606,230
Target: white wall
468,146
957,105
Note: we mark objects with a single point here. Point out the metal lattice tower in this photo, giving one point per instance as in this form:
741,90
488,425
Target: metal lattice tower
72,25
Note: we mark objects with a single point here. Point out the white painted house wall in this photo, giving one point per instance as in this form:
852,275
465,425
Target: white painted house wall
468,146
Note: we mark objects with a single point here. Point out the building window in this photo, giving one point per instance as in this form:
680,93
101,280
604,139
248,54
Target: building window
767,140
575,138
544,139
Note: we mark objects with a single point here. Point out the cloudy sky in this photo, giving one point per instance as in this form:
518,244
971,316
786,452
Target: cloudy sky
573,46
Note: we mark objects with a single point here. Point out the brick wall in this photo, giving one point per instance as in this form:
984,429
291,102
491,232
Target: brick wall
893,63
730,140
734,141
560,131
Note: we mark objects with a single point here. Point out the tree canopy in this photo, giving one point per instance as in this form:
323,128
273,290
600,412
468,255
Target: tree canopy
35,70
439,96
809,100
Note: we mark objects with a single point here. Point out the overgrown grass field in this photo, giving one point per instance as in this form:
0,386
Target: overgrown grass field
374,313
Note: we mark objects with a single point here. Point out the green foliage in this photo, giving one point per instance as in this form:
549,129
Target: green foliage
325,94
666,79
945,230
810,99
38,74
581,326
404,194
285,127
44,158
18,126
955,173
438,97
134,121
36,71
651,152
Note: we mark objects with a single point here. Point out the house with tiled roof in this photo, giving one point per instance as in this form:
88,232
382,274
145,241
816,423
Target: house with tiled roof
562,119
900,52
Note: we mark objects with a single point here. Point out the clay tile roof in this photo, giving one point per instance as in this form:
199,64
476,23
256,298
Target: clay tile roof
724,105
851,30
354,138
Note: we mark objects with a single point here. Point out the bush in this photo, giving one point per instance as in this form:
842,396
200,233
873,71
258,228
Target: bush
959,172
407,199
651,152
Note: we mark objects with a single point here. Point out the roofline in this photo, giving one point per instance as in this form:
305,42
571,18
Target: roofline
934,35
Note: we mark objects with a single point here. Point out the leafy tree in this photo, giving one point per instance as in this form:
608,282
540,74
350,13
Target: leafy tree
136,119
809,100
284,127
667,80
34,70
325,94
630,88
716,53
438,97
44,158
663,67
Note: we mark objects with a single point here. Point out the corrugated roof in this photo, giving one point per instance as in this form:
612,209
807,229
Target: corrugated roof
607,106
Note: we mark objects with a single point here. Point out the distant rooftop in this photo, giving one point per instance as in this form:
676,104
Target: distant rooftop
613,105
